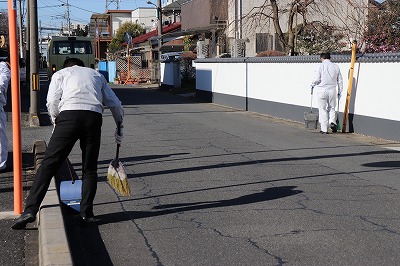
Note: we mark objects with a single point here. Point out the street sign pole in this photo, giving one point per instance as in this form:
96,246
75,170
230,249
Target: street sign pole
34,63
16,110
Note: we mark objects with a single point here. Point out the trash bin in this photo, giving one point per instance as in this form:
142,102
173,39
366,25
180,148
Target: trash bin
112,70
103,69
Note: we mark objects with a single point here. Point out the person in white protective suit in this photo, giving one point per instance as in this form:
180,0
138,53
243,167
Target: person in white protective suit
5,75
327,76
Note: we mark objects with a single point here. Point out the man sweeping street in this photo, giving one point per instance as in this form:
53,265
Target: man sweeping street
75,105
5,76
327,76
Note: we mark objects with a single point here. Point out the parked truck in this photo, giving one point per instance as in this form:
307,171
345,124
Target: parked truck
64,47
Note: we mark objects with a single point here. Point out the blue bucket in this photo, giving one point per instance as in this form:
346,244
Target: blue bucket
71,194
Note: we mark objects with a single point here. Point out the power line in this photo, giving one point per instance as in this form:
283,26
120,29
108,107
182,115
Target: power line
109,2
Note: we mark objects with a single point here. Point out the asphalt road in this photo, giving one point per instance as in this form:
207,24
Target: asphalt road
217,186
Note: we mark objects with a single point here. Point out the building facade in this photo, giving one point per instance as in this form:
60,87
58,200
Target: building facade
206,21
146,17
252,28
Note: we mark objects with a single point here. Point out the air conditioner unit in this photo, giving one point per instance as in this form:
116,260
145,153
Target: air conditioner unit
202,49
239,48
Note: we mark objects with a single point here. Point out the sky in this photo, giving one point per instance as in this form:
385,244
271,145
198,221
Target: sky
51,13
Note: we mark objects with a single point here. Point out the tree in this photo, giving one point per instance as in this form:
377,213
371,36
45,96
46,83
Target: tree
4,28
383,31
348,19
294,21
317,37
127,27
188,43
3,22
292,13
188,72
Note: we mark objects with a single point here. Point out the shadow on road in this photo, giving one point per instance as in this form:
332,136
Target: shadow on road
383,164
86,245
147,96
266,195
308,159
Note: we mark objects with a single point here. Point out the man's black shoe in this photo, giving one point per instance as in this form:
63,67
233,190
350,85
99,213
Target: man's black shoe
88,221
333,127
323,132
23,220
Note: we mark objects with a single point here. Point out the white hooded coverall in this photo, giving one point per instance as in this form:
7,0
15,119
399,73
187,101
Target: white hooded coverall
5,75
327,76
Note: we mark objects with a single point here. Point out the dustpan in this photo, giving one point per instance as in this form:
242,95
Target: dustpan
71,190
310,118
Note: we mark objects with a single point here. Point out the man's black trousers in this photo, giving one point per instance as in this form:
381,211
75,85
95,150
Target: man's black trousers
71,126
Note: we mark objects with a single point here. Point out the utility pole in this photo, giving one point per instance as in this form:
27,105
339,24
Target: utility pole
159,34
159,30
21,39
240,19
27,48
34,59
68,19
40,45
236,19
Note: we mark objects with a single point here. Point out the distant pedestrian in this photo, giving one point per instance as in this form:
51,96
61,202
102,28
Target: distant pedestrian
75,104
327,76
5,76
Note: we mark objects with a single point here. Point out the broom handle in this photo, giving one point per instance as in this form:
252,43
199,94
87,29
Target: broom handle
117,153
119,133
70,172
312,90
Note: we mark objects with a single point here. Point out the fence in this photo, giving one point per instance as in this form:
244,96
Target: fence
138,73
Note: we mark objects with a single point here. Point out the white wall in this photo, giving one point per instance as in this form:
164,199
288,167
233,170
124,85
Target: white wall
226,78
281,82
376,86
378,90
118,19
144,16
375,92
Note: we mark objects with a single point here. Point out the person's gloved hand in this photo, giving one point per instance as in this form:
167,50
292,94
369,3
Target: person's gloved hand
119,136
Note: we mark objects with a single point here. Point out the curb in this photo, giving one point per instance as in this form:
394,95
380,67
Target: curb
53,242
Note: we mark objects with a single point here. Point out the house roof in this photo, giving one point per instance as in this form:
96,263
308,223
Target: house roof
153,33
175,45
100,16
193,31
118,11
174,5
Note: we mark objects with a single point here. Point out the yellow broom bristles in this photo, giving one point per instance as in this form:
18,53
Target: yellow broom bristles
117,179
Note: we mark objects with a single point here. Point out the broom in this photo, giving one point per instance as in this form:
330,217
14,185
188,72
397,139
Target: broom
116,175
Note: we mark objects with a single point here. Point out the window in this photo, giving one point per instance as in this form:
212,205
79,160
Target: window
82,48
62,48
264,42
78,47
